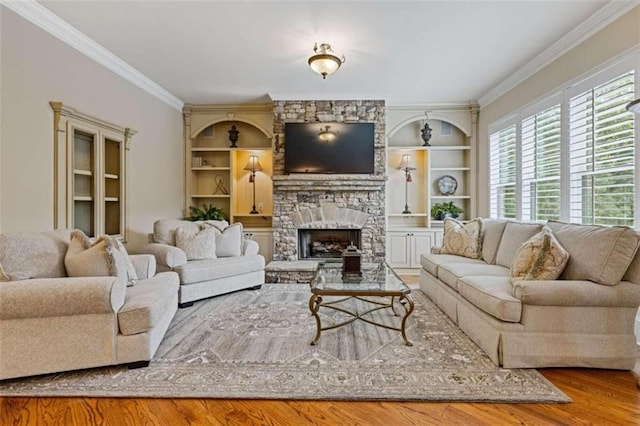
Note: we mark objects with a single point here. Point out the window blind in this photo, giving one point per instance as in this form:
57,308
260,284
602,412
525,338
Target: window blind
541,193
601,153
502,179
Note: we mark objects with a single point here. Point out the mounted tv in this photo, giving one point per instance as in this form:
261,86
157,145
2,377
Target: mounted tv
339,148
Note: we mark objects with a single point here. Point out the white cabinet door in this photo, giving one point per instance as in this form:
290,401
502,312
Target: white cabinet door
264,240
405,248
398,250
421,243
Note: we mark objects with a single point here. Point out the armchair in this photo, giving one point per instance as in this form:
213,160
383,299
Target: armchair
204,278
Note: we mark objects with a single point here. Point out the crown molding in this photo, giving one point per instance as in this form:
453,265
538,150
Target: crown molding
596,22
51,23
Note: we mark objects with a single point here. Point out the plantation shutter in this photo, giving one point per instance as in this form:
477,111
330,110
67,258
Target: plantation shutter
541,165
502,179
601,153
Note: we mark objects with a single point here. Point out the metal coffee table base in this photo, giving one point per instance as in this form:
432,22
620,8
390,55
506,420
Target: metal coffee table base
316,302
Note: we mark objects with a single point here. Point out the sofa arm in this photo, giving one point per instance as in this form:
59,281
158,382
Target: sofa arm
53,297
166,255
577,293
145,265
250,247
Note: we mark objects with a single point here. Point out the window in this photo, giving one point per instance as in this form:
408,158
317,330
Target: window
571,156
502,179
541,165
602,154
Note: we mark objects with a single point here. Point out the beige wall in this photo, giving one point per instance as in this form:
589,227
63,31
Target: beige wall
37,68
618,37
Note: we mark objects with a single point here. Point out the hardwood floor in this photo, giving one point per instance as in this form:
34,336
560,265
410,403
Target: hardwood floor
600,397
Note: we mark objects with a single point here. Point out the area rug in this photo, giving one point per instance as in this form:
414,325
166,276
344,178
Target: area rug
256,345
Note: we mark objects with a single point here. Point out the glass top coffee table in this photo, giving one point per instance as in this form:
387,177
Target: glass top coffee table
379,281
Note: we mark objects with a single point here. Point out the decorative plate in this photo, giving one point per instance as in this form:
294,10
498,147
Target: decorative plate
447,185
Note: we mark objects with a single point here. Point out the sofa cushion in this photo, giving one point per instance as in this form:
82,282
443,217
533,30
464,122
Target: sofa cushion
462,239
492,233
211,269
101,258
541,257
492,294
431,261
164,230
597,253
515,234
25,255
197,245
147,303
576,293
449,273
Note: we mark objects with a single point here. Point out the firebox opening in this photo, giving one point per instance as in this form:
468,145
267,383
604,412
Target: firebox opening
326,243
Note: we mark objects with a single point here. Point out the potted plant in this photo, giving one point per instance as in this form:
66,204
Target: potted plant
207,212
440,211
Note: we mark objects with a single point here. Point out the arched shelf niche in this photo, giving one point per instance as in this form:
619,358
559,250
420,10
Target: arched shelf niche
215,165
441,172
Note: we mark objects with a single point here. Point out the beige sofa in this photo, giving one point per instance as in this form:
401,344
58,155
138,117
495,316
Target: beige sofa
200,279
51,323
583,319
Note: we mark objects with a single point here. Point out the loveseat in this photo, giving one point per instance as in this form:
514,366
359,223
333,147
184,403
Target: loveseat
50,322
234,263
584,318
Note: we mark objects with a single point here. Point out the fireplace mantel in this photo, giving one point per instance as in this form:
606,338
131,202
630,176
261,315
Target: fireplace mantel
322,182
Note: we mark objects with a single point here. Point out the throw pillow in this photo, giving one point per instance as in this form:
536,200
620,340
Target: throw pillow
197,245
102,258
463,239
539,258
132,275
228,241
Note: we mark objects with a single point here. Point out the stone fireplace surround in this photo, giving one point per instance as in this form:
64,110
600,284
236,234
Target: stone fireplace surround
313,201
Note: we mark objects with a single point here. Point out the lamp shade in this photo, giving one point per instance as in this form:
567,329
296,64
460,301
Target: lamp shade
324,62
253,165
405,163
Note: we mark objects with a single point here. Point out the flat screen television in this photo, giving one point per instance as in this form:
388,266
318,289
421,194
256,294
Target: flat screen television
351,150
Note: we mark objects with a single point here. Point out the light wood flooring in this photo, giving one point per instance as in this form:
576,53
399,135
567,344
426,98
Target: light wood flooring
600,397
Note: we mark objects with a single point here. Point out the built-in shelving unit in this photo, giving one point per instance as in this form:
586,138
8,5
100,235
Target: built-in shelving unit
451,152
215,171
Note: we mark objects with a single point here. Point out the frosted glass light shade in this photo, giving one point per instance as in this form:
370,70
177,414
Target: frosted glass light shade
325,62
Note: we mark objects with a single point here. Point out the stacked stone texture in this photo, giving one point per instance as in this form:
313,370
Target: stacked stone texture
364,193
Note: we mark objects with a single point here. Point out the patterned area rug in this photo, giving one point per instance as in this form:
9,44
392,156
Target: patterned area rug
255,344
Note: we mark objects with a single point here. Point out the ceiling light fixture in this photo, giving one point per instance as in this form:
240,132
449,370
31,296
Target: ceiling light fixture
326,134
325,62
634,106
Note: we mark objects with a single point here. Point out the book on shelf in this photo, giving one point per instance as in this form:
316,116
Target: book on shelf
196,162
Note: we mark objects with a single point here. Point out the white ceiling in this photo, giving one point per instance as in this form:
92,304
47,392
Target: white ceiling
402,51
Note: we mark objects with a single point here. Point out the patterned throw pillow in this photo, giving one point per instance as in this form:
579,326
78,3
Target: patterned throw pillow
102,258
463,239
197,245
539,258
228,241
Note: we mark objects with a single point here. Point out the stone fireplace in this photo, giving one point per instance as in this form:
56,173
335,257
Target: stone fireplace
352,203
